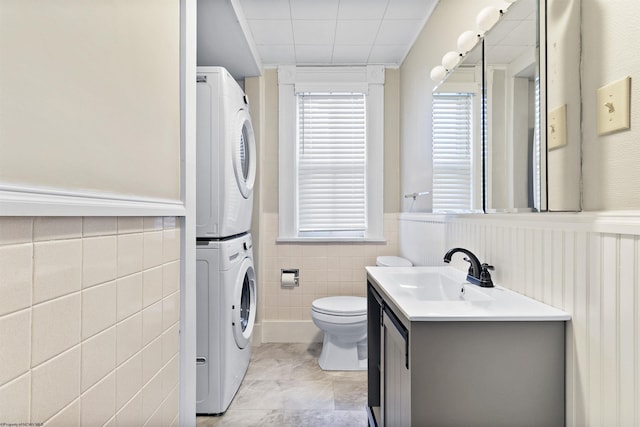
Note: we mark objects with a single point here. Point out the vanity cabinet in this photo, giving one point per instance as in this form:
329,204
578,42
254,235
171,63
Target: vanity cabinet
462,373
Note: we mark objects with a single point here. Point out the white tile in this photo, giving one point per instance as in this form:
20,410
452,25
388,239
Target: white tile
169,222
130,224
151,360
131,413
56,327
362,9
153,223
313,9
99,402
57,268
170,278
151,322
170,310
314,32
387,54
14,230
398,32
171,245
151,397
16,267
99,260
155,419
14,400
99,226
130,249
55,384
170,342
111,422
170,375
56,228
98,308
128,380
129,295
356,32
152,283
273,31
152,249
310,55
260,9
170,407
129,338
15,336
409,9
68,416
98,357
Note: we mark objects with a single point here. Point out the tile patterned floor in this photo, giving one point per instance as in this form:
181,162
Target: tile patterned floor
284,386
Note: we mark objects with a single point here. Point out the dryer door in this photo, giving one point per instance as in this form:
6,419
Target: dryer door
244,153
243,308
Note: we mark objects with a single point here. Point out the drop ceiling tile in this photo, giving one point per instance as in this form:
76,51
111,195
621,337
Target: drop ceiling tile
362,9
350,55
261,9
314,9
313,55
314,32
356,32
272,31
387,54
398,32
409,9
277,54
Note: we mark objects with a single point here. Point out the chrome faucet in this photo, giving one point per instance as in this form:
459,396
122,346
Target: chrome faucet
478,273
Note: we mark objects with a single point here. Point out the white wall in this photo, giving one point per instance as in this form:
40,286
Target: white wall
611,176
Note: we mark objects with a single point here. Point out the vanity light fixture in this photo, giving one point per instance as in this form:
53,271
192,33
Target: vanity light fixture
487,18
437,73
467,41
450,60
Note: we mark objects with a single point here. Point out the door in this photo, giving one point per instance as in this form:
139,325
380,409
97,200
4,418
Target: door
243,308
244,153
396,376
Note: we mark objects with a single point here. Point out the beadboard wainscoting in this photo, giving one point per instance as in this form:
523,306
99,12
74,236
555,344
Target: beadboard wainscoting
586,264
89,320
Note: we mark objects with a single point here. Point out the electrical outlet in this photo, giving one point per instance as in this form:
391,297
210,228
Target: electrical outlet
614,110
557,123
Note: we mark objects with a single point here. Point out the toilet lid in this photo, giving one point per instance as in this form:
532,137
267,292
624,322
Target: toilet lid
341,306
393,261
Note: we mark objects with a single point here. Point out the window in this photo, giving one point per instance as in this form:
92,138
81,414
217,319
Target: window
453,136
330,153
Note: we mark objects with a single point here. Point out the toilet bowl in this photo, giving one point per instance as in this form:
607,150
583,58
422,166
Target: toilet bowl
343,319
392,261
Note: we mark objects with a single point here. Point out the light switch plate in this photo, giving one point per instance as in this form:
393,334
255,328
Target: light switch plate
557,123
614,106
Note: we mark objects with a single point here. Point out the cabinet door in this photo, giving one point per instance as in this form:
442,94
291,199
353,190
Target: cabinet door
396,376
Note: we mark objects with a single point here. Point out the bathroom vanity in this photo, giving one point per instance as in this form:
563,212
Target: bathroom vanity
443,352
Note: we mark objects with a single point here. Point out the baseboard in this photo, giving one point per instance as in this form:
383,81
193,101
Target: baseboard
290,331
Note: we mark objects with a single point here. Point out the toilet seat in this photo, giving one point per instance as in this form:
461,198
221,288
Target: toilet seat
393,261
340,306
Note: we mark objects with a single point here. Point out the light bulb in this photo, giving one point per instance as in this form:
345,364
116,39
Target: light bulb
487,18
437,73
467,41
450,60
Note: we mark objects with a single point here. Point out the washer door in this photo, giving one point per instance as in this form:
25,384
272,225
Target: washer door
244,153
243,308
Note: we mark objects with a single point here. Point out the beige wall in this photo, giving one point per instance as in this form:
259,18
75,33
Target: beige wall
90,94
89,320
611,176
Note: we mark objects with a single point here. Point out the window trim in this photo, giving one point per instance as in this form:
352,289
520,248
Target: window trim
368,80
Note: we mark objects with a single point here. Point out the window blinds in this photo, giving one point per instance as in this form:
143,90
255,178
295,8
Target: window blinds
452,151
331,164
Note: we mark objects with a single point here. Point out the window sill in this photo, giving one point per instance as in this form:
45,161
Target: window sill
364,240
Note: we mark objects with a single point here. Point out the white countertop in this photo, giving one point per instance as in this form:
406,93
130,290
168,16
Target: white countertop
406,288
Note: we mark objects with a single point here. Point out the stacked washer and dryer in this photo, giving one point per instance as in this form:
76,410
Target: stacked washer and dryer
225,276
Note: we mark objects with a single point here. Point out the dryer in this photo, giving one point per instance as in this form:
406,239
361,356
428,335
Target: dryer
225,316
226,156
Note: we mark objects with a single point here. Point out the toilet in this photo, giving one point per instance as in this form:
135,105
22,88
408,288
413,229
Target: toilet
343,319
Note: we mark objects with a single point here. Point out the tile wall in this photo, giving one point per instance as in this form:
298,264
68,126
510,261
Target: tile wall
89,320
325,269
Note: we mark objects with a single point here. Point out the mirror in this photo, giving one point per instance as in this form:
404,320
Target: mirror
531,90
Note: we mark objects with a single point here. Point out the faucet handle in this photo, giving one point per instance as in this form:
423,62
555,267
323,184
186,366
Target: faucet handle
485,276
486,266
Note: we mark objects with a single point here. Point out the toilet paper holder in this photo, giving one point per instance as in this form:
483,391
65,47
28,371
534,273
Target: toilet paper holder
289,277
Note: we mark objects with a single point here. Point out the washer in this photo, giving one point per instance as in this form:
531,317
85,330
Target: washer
226,155
225,316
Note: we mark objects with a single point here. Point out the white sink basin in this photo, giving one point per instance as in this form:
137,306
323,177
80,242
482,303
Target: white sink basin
443,294
432,286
